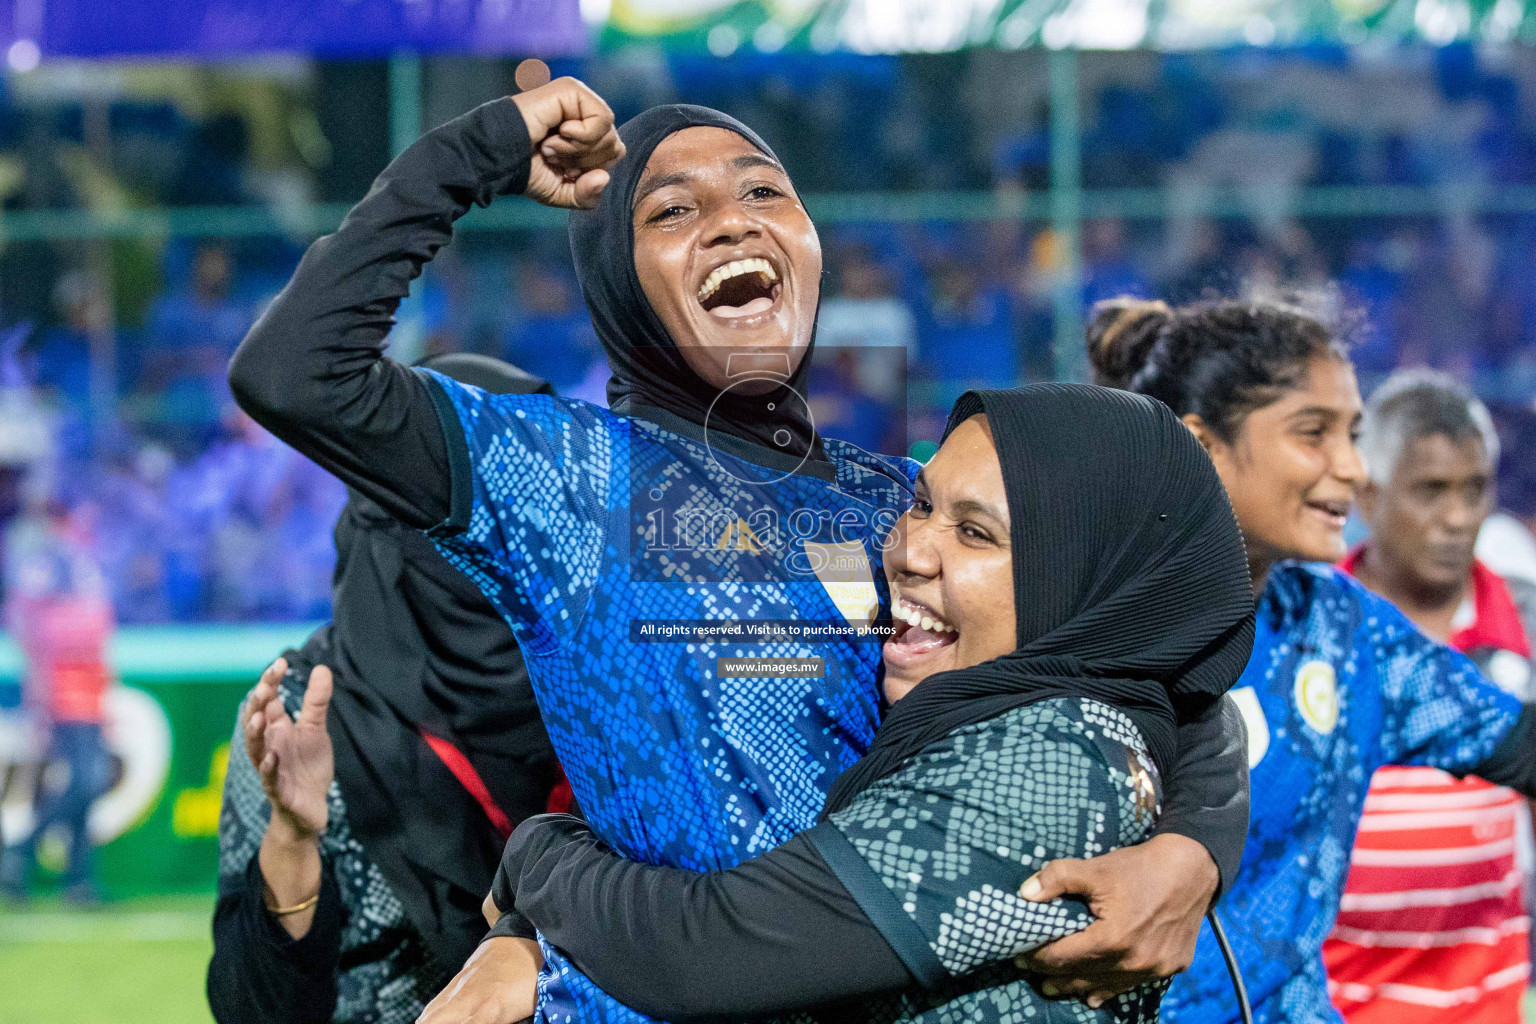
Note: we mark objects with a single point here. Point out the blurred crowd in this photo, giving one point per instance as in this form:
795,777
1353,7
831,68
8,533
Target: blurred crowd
114,412
191,511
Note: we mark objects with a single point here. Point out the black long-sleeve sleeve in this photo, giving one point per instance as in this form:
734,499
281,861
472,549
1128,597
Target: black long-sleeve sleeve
1206,796
754,959
1513,761
312,369
260,974
912,887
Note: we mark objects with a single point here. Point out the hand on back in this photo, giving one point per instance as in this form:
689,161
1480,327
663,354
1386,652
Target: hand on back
574,142
1149,900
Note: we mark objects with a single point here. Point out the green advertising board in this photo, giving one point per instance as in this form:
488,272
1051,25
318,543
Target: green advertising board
169,724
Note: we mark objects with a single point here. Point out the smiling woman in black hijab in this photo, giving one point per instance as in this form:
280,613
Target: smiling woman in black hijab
722,376
1024,728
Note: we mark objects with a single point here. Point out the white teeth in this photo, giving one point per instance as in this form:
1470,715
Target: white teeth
913,616
733,269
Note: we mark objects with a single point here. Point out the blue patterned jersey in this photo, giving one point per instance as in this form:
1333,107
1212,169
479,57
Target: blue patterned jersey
587,529
1340,683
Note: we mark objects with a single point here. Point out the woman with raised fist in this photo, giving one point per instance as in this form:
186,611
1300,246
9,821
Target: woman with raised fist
1340,682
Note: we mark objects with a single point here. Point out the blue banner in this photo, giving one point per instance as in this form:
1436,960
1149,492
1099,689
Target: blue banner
332,28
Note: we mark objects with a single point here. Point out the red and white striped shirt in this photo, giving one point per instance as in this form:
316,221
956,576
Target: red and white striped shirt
1433,926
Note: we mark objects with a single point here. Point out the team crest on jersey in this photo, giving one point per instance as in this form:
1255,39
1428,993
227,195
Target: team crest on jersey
1317,695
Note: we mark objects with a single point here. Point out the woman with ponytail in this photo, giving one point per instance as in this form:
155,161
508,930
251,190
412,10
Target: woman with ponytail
1121,331
1340,682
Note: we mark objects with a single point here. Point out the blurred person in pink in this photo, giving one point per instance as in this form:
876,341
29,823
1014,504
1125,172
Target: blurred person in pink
1433,925
58,610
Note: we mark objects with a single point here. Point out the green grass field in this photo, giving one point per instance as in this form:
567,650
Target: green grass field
140,962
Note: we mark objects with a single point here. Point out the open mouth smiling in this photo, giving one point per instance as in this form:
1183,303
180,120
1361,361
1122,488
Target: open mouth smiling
920,633
740,288
1335,512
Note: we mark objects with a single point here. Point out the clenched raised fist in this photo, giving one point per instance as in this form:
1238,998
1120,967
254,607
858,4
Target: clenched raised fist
574,141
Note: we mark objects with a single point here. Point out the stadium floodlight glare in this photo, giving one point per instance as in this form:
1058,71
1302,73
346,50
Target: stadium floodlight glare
23,56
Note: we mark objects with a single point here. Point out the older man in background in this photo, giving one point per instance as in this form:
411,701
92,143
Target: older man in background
1433,924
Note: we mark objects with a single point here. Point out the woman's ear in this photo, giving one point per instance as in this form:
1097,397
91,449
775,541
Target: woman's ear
1197,426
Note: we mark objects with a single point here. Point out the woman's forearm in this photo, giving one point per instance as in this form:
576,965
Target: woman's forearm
774,934
291,873
1513,761
312,369
1205,797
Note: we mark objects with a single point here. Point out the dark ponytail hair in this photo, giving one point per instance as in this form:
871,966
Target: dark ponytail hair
1221,360
1121,332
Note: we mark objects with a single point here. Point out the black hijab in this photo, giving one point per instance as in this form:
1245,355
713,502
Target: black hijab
1130,579
650,378
416,647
